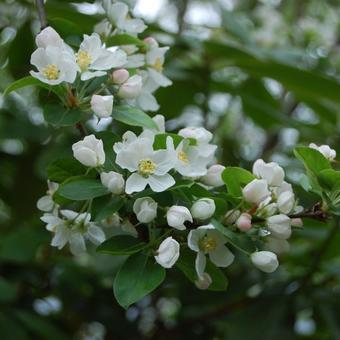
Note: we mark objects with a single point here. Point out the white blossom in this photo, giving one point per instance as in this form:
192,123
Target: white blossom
148,167
271,172
326,151
94,59
55,65
231,216
244,222
204,281
256,191
168,252
177,215
46,203
120,76
213,176
131,88
114,181
206,240
102,105
279,226
203,209
89,151
265,261
145,209
286,202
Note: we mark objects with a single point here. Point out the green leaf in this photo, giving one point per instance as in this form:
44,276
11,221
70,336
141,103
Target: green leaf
235,178
121,245
160,140
7,291
186,263
138,276
58,115
106,207
329,178
312,159
81,188
64,168
238,239
124,39
133,116
31,81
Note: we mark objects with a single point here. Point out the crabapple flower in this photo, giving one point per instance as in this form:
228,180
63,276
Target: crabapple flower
89,151
54,65
271,172
120,76
167,253
213,178
148,167
297,222
177,215
244,222
93,59
49,37
286,202
256,191
206,240
118,14
113,181
73,228
102,105
46,203
231,216
103,28
265,261
326,151
279,226
145,209
203,208
131,88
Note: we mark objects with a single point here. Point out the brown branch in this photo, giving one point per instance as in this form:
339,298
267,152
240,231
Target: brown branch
42,14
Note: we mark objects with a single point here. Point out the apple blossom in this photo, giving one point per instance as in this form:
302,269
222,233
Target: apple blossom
54,65
326,151
89,151
203,209
231,216
279,226
271,172
120,76
177,215
93,59
167,253
286,202
148,167
145,209
114,181
213,176
265,261
256,191
46,203
297,222
207,240
204,281
102,105
131,88
244,222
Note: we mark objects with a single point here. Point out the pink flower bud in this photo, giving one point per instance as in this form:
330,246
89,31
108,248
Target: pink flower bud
120,76
244,222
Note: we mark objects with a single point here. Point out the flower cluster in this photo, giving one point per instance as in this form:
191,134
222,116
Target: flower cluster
130,73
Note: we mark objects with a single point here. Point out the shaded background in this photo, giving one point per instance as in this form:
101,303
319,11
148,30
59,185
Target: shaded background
262,76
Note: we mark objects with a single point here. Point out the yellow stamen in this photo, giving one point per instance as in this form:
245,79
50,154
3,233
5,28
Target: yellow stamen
158,65
182,156
51,72
146,167
207,244
83,59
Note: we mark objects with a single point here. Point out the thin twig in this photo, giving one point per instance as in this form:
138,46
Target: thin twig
41,13
81,129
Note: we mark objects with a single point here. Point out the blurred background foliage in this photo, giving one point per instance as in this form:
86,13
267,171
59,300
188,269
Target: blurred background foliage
263,77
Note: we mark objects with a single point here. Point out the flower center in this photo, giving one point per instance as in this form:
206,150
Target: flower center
207,244
51,72
182,156
158,65
83,59
146,167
